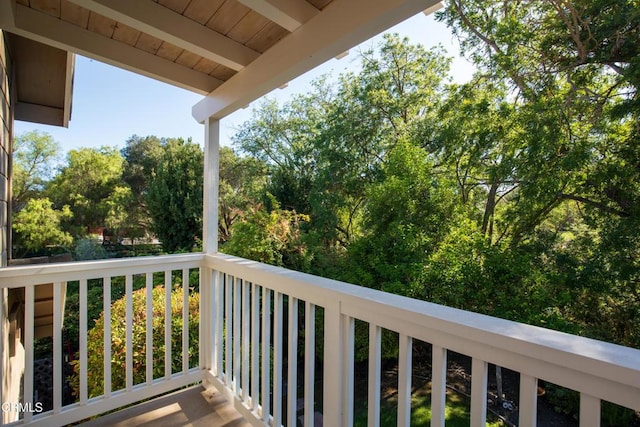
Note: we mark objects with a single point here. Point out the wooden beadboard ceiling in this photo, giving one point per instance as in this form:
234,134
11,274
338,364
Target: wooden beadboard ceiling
231,51
229,18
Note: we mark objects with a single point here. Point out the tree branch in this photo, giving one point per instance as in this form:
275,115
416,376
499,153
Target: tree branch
595,204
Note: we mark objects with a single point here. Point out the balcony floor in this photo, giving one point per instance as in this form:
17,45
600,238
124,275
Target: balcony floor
194,406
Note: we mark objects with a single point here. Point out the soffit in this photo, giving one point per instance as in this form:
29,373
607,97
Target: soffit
232,51
194,44
43,81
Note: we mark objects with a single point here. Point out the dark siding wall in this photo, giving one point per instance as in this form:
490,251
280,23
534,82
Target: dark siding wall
6,121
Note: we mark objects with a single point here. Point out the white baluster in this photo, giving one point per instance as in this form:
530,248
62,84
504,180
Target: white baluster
106,335
405,368
479,371
438,385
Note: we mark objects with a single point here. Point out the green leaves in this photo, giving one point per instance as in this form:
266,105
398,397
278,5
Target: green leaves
86,184
119,351
34,155
39,225
270,235
174,196
515,195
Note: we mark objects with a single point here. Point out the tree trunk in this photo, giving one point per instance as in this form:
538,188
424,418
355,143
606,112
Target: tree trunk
489,208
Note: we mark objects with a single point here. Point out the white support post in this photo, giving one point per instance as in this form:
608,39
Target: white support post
405,369
438,386
4,334
212,346
589,411
211,321
375,352
168,286
149,328
185,321
83,343
479,373
29,313
333,354
106,309
528,403
210,188
309,362
128,285
348,334
57,346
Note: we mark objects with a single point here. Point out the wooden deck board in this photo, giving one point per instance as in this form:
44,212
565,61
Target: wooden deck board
194,406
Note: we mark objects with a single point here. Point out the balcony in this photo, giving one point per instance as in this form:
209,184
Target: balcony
264,331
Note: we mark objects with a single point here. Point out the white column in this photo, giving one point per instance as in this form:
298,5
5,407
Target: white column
4,358
333,358
211,178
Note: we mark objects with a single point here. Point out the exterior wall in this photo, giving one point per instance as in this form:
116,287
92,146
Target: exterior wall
6,125
11,349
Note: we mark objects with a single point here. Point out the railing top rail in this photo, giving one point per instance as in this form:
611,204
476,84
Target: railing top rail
584,355
19,276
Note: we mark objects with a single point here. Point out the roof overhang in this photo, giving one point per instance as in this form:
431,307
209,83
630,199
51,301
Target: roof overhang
44,81
329,33
231,51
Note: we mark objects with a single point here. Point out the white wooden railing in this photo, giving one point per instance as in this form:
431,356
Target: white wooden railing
104,271
255,320
247,303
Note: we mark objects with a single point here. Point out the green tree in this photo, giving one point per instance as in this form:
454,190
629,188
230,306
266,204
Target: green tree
573,72
242,184
119,216
38,225
34,154
88,184
406,216
325,147
581,96
174,196
282,137
371,113
271,236
142,156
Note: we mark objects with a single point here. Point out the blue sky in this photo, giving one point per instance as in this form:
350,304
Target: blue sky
110,104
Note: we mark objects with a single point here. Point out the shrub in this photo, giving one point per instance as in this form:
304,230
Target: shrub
95,348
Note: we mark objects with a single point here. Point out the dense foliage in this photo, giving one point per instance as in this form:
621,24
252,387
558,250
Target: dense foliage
151,188
95,349
174,196
513,195
516,194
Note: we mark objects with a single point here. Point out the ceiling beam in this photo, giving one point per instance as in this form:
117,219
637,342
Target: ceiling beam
436,7
39,114
289,14
68,88
7,13
340,26
55,32
163,23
